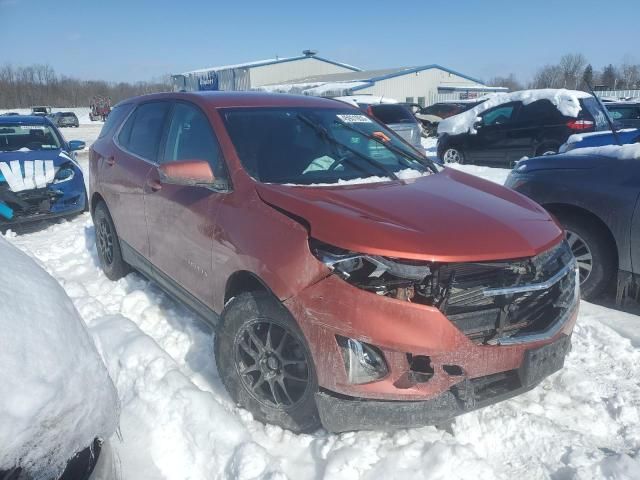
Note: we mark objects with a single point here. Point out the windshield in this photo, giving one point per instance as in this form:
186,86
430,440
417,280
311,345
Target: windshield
27,137
318,146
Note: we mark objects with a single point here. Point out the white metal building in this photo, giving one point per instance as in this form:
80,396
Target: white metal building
251,75
423,85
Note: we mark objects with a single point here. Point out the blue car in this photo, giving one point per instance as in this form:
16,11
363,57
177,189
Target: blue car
600,139
39,175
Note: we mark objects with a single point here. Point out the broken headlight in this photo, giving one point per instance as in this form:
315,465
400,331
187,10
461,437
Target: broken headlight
64,173
397,278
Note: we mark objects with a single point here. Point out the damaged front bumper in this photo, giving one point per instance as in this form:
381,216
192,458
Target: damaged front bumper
340,413
434,369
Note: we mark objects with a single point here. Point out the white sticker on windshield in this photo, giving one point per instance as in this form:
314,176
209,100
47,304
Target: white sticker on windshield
354,118
32,127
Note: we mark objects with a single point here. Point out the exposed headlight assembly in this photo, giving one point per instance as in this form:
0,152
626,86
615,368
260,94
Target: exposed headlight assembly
64,173
381,275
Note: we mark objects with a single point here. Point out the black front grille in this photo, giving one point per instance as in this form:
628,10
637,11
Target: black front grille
486,319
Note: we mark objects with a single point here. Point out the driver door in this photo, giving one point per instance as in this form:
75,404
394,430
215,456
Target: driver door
181,218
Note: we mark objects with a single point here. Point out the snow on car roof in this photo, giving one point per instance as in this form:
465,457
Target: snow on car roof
566,101
56,393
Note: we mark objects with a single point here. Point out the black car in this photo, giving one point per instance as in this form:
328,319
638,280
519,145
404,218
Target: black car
507,132
626,114
65,119
597,200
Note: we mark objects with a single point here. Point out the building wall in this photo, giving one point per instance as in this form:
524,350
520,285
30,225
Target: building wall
417,85
287,71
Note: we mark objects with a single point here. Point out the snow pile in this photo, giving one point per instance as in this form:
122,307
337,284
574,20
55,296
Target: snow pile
318,89
622,152
566,101
56,393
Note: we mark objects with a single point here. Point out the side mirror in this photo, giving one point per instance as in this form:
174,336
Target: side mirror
76,145
477,123
187,172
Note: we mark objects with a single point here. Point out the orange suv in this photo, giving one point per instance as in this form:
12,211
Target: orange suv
352,283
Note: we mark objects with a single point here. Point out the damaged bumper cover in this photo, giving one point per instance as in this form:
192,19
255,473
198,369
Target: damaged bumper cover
340,413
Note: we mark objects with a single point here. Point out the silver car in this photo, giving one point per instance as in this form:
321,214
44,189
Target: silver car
399,119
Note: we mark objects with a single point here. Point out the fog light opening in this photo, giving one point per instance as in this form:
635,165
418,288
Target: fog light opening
364,363
421,368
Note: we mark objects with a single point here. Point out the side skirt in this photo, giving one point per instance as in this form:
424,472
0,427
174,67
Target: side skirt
146,268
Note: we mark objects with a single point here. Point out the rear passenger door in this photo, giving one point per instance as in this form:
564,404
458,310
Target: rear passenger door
126,170
182,218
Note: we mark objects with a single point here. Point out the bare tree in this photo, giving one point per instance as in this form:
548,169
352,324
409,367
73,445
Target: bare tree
549,76
572,66
510,81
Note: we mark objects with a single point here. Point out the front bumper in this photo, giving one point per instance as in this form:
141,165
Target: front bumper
340,413
56,200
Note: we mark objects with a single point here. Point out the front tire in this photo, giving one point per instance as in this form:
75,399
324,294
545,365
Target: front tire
265,364
108,244
594,252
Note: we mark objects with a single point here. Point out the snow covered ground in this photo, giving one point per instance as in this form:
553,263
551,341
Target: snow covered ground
177,422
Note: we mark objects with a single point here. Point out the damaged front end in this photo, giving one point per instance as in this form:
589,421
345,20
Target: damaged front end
490,302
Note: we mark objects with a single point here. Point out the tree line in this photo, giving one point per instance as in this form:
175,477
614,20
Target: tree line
23,87
573,71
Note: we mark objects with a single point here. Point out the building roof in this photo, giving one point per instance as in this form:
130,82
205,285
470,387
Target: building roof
372,76
269,61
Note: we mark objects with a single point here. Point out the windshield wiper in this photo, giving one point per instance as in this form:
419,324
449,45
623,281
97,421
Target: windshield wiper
393,148
325,134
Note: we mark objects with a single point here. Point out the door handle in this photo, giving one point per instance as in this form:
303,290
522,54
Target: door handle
111,161
155,185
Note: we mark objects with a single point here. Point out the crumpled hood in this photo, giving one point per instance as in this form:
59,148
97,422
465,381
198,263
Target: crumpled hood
448,217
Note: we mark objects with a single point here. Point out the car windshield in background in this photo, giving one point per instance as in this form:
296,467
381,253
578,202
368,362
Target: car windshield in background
390,113
27,137
68,115
310,146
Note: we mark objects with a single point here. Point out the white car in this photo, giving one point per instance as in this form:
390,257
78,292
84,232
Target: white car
58,403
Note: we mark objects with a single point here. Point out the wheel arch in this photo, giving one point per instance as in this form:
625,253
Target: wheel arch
95,199
558,209
244,281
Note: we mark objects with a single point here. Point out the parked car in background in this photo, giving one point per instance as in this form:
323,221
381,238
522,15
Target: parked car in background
58,403
10,114
625,114
65,119
599,139
594,193
41,111
432,115
353,283
510,126
396,116
39,176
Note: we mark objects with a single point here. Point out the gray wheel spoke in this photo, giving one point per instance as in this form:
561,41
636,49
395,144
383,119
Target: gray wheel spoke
247,349
583,257
283,339
280,381
272,387
249,369
295,378
256,341
585,266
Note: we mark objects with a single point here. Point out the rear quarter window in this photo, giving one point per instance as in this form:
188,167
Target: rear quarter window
115,118
392,114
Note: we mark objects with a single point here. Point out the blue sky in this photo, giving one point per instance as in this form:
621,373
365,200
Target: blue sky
138,40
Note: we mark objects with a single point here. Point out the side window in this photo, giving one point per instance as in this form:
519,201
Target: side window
114,119
191,137
498,115
143,131
537,112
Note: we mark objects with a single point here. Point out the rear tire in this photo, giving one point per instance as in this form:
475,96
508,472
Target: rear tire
265,364
594,251
108,244
453,155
